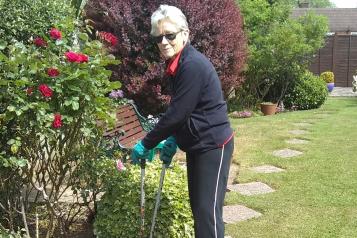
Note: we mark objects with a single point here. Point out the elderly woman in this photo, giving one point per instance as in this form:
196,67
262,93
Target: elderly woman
196,119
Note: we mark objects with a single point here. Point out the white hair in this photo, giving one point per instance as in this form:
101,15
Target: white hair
171,13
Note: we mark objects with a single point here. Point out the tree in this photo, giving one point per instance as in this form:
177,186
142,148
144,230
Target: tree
279,49
215,30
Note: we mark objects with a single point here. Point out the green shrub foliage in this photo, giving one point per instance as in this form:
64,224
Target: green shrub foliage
23,19
309,92
118,212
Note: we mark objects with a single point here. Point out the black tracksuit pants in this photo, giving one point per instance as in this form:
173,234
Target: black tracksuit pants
207,181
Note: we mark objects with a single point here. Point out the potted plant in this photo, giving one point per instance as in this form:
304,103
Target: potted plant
329,78
354,83
268,108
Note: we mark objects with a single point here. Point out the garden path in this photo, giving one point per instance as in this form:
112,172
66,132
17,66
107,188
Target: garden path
237,213
342,92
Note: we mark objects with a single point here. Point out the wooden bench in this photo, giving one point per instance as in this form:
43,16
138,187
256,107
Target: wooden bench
130,127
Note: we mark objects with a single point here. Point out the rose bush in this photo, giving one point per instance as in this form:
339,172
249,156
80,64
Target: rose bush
23,19
52,94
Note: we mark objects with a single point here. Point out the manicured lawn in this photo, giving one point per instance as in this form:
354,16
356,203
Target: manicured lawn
317,194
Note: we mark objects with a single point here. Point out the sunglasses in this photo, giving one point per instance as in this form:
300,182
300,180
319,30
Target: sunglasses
169,37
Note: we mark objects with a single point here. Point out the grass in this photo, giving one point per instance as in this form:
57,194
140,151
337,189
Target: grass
317,194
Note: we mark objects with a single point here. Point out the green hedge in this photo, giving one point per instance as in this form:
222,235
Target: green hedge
308,92
118,213
22,19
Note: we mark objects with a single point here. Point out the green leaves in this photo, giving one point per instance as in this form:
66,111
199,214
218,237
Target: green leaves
83,36
23,19
114,85
11,108
13,162
3,44
73,102
120,203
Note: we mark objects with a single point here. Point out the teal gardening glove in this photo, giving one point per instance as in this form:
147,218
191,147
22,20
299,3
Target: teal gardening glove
168,150
140,152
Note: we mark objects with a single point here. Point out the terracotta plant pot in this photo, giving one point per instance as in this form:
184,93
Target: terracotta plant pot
268,108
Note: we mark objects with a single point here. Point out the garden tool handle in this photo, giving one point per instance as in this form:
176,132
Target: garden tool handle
142,163
142,197
158,198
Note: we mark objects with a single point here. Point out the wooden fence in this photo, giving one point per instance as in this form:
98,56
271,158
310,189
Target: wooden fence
339,55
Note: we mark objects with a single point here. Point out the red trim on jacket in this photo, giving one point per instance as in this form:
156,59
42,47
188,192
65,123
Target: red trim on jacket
227,140
173,65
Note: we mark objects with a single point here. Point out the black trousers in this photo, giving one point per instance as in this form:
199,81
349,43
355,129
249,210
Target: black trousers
207,181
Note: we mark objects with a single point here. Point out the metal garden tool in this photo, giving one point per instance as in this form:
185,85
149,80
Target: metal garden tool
142,197
158,198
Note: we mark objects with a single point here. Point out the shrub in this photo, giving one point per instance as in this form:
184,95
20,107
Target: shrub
308,92
51,96
119,209
23,19
215,30
328,77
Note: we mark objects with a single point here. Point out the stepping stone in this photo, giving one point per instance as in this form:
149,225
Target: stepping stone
297,141
286,153
227,236
249,189
236,213
267,169
298,132
303,124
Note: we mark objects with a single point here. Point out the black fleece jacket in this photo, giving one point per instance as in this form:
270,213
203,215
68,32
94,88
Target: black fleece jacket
197,114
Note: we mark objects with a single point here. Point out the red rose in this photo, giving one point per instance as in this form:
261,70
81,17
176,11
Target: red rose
29,90
55,34
108,37
57,121
39,42
53,72
71,56
76,57
82,58
45,90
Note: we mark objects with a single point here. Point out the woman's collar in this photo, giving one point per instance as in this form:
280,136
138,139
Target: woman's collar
173,64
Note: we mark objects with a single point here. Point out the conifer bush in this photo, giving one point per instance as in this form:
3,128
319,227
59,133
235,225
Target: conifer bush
215,30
